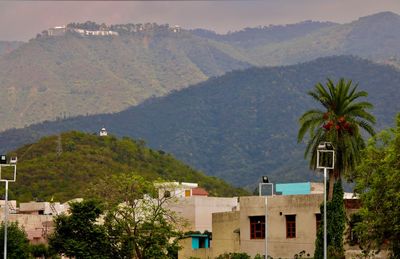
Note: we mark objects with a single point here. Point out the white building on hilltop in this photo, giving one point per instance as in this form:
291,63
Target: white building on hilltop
103,132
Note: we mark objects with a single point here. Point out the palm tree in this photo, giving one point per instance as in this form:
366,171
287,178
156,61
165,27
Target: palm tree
339,122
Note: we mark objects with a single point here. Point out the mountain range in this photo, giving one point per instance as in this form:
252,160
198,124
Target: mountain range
53,77
238,126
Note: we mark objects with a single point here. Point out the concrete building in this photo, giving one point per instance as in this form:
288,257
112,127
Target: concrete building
179,189
103,132
41,208
57,31
198,210
292,226
36,218
192,203
12,206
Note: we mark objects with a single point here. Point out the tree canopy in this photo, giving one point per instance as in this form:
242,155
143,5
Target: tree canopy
340,122
43,172
17,241
137,221
78,235
132,221
377,182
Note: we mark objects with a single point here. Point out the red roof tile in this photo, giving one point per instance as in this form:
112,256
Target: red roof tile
199,192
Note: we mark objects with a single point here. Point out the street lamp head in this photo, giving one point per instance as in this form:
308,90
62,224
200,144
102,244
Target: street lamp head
325,146
13,160
3,159
265,179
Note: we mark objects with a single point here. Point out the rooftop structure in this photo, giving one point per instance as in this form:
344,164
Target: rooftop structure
103,132
299,188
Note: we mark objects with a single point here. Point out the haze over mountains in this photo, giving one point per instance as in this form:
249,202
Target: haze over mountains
71,75
240,125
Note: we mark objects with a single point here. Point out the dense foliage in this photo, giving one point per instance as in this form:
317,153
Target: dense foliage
130,222
17,242
78,235
62,167
142,226
336,221
378,184
232,126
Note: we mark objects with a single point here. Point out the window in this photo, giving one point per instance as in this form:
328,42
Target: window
290,226
318,221
257,227
187,193
167,194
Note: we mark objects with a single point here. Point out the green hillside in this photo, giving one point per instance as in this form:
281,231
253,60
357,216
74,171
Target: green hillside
54,77
63,76
8,46
375,37
45,170
238,126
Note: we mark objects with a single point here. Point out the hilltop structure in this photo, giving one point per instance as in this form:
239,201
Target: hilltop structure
62,30
93,29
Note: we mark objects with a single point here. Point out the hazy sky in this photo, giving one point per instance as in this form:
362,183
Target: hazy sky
22,20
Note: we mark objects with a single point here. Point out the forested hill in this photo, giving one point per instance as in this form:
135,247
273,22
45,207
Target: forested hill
64,166
8,46
238,126
252,37
73,74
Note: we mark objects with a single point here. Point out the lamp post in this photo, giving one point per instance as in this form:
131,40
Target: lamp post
325,160
3,163
265,181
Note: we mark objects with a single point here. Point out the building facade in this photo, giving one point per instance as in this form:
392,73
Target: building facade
291,227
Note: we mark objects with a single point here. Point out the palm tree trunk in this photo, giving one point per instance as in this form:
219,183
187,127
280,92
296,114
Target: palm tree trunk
331,183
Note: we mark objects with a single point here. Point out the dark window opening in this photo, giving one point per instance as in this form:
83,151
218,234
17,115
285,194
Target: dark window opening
167,194
290,226
202,242
318,221
257,227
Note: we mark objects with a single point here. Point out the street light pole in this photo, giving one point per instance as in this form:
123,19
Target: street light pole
3,163
266,227
325,238
265,181
325,163
5,221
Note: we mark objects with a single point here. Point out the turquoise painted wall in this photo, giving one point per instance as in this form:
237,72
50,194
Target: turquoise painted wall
293,188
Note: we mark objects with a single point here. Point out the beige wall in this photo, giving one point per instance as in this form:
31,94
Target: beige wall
197,210
303,206
46,208
187,252
225,235
37,227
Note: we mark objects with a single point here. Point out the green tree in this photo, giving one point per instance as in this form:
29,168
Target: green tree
138,221
17,241
336,218
377,182
339,122
78,235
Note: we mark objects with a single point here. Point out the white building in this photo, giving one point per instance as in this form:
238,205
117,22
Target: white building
103,132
